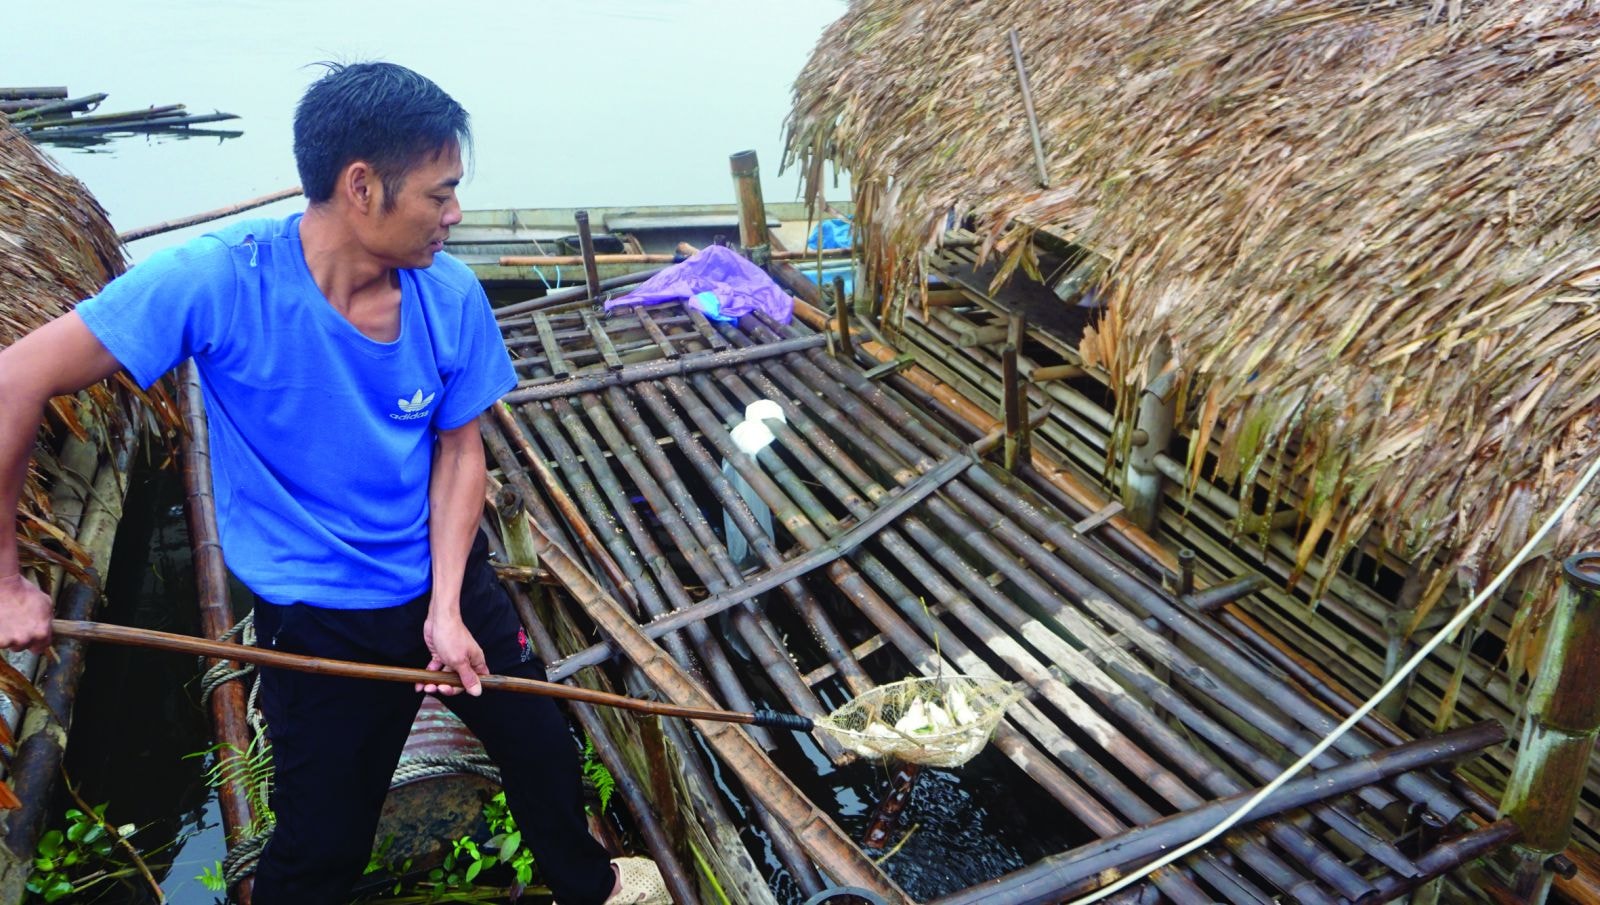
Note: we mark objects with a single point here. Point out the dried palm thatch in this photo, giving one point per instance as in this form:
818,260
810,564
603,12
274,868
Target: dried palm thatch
56,247
1366,230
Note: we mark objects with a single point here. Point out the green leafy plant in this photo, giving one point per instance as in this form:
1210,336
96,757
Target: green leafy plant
251,770
69,861
598,776
211,878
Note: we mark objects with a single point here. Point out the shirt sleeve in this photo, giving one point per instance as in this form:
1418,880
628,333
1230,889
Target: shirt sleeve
164,310
483,371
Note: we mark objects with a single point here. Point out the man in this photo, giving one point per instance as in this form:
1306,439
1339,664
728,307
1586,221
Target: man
344,362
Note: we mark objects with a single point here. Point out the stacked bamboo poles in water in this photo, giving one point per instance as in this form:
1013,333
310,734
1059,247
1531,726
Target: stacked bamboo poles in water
834,400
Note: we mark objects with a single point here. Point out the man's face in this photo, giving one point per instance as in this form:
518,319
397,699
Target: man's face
413,230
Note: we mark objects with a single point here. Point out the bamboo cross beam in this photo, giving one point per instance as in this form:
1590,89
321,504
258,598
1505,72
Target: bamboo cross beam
811,561
656,370
1074,872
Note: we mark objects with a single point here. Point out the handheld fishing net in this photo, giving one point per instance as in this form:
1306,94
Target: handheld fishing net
941,721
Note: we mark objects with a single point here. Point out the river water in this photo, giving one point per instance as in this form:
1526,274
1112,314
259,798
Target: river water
603,102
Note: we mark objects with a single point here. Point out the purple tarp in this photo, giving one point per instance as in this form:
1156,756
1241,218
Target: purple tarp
720,281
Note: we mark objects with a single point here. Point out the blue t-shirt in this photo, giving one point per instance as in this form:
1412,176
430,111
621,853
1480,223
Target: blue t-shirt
321,438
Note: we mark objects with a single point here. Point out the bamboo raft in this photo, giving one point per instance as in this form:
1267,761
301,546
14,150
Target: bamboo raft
622,424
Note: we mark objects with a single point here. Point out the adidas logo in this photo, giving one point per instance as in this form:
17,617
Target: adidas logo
414,408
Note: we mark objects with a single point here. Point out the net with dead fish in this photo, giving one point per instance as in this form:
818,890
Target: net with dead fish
941,721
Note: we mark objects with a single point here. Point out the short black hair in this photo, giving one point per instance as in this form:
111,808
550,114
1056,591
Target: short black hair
381,113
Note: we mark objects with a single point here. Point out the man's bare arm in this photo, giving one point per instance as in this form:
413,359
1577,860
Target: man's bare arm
455,502
59,358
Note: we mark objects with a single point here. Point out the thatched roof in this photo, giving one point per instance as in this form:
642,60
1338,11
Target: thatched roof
1368,230
56,247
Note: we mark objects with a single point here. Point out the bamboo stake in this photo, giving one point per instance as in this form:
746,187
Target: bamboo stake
228,700
754,240
207,216
1559,736
591,276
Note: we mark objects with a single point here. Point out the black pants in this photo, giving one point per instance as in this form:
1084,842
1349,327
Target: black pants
335,743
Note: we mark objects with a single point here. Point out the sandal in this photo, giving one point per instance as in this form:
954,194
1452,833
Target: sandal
639,883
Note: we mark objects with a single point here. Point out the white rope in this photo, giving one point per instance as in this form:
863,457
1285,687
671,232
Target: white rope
1316,751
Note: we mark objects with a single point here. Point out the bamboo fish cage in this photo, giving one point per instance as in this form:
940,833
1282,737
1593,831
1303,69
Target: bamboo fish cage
893,534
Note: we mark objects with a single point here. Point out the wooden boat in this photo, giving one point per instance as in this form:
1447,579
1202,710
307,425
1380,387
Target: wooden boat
484,237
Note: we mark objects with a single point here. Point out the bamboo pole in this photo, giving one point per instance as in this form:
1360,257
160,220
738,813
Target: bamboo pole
144,125
1075,872
80,630
68,105
648,258
228,705
1027,106
1559,735
20,94
573,296
659,845
556,388
207,216
753,238
146,113
591,274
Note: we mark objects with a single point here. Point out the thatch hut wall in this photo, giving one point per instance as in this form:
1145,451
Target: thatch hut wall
1366,231
56,247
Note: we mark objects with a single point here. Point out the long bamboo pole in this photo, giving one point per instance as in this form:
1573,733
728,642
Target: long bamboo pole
1082,869
661,848
207,216
655,370
80,630
228,700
